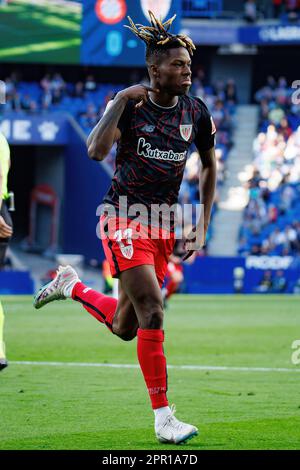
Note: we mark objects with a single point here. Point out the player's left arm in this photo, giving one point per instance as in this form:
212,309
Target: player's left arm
205,143
207,185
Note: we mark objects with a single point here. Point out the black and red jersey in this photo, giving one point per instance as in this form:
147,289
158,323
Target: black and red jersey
152,151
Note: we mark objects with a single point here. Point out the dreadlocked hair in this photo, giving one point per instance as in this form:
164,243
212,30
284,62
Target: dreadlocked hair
157,38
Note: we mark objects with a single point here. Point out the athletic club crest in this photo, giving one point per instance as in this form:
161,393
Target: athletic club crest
160,8
124,240
127,250
186,131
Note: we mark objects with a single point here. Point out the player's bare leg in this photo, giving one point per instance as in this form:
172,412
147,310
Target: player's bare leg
142,287
118,315
125,322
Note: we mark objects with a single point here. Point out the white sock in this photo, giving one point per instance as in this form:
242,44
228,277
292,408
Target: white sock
161,414
68,289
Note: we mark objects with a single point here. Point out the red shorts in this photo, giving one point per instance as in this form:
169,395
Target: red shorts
128,244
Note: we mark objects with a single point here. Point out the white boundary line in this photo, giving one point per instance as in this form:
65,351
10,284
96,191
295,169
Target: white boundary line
135,366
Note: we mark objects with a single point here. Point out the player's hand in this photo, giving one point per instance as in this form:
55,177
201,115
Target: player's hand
195,240
5,230
137,93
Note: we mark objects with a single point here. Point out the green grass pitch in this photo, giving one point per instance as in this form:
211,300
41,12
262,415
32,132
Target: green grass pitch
72,407
39,33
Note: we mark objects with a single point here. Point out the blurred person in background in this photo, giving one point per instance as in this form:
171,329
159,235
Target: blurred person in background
107,277
174,274
5,228
250,11
279,283
296,289
266,283
292,9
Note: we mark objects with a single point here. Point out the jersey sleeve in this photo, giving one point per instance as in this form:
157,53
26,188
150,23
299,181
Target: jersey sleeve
125,119
206,130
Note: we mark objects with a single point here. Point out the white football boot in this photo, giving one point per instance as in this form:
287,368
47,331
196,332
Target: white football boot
59,289
172,431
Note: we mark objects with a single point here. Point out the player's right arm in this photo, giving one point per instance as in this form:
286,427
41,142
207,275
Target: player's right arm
106,132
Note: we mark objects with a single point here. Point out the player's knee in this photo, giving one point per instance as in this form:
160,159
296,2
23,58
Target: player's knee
149,308
126,334
152,317
153,321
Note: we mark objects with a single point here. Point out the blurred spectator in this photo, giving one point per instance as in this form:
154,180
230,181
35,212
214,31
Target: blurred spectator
277,238
90,83
26,102
58,84
89,119
296,289
53,90
284,129
56,96
219,112
279,283
273,180
46,83
10,87
244,247
78,90
16,102
292,9
231,92
219,89
250,11
276,114
266,284
33,109
46,99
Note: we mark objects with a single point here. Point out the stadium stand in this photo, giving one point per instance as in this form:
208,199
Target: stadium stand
271,221
251,11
